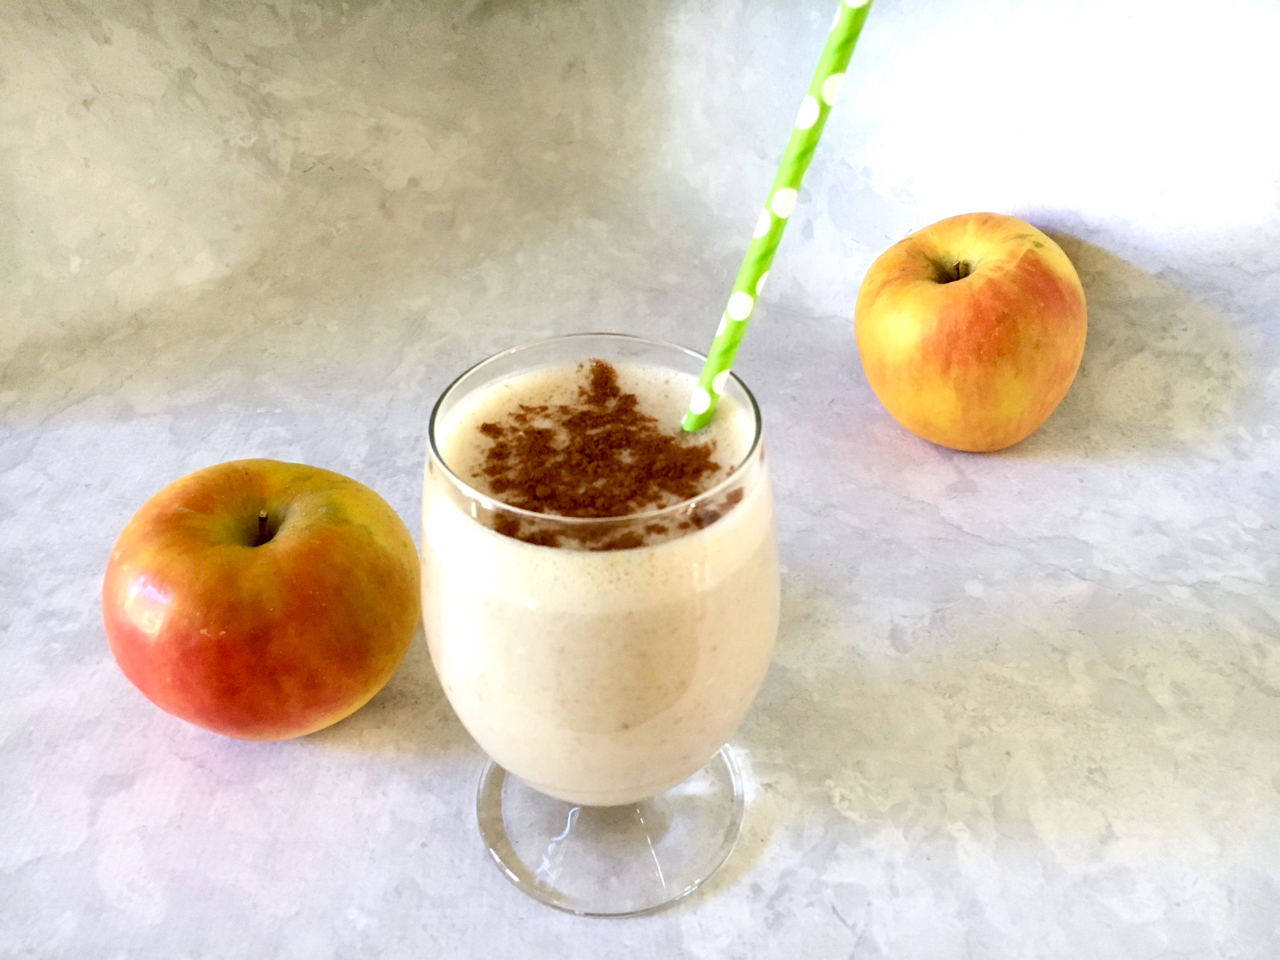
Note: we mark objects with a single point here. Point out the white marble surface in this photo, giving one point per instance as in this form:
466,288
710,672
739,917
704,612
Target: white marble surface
1024,705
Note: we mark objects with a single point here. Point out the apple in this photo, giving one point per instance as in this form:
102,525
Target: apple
260,599
971,330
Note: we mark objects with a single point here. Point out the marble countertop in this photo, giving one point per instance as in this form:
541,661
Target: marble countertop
1023,705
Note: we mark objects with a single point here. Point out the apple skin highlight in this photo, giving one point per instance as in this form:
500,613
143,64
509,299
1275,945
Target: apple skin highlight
261,641
974,360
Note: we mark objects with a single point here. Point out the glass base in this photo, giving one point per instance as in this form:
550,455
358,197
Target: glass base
612,861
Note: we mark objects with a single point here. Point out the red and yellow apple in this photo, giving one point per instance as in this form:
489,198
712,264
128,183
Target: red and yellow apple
971,330
260,599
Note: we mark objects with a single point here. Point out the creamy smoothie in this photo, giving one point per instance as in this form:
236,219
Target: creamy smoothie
601,660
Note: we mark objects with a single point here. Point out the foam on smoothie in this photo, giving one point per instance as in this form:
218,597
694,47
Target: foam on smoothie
593,440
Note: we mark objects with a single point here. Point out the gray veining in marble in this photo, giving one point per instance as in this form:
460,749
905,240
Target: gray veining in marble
1024,705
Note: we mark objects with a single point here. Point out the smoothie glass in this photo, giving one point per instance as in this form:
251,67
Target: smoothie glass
603,684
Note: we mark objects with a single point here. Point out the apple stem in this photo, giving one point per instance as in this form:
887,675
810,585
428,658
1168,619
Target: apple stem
262,528
944,272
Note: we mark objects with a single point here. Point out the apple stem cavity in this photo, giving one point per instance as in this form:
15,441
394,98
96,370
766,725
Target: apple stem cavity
951,272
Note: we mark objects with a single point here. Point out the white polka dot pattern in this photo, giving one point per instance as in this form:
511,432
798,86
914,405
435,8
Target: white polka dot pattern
784,201
700,402
740,306
718,382
808,114
760,283
831,88
763,224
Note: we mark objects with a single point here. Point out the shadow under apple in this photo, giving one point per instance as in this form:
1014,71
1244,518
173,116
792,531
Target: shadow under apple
409,715
1161,371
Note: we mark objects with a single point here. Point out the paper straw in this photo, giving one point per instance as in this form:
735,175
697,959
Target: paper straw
815,107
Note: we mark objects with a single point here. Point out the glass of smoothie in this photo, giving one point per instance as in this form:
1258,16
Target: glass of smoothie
600,598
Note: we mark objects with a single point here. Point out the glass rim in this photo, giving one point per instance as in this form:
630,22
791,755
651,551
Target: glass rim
495,505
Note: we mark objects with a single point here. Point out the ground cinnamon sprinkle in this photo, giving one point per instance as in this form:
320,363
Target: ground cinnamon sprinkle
598,458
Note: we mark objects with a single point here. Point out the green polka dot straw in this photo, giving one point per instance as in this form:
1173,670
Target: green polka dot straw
823,88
